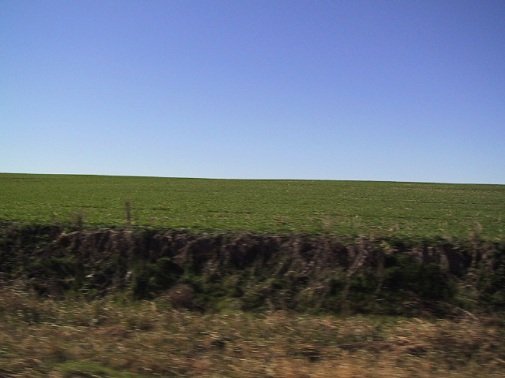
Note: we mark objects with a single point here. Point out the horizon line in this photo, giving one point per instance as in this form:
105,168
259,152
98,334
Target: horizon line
250,179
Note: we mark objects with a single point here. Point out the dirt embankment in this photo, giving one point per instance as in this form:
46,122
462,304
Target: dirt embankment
308,273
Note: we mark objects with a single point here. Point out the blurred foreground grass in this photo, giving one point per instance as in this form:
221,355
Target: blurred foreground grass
114,338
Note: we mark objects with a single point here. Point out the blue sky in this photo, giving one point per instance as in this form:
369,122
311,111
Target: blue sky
323,89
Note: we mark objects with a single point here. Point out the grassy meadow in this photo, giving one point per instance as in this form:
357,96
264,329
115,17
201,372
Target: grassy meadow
267,206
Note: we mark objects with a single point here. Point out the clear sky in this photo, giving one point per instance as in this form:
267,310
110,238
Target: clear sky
321,89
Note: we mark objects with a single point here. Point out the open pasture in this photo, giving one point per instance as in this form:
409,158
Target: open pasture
350,208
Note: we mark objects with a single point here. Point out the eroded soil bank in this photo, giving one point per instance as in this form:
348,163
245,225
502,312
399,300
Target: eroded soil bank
214,272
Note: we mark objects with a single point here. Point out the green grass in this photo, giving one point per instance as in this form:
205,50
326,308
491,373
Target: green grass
342,207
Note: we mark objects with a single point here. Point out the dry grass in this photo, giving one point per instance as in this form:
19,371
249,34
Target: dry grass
114,338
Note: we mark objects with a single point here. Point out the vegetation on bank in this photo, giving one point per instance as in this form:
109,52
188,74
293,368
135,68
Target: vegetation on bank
345,208
253,272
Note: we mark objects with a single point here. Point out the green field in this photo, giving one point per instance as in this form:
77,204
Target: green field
342,207
129,304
